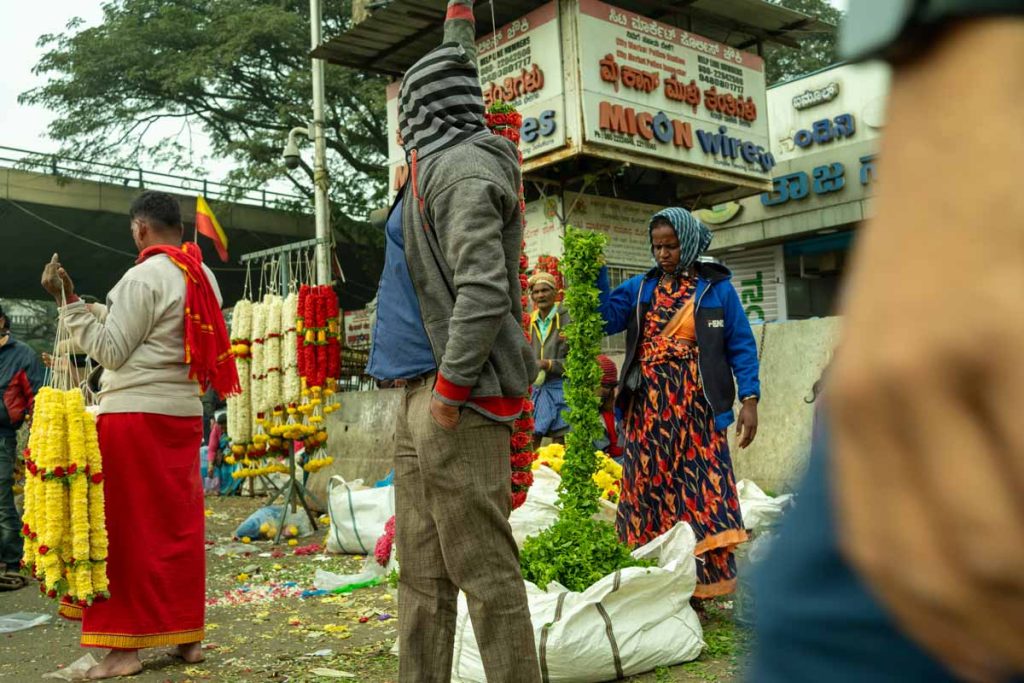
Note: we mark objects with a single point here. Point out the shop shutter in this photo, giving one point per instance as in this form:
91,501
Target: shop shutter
759,278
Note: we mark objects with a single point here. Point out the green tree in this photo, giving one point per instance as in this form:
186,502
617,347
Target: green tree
816,51
238,70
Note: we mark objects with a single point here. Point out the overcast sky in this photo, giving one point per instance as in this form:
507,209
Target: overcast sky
21,23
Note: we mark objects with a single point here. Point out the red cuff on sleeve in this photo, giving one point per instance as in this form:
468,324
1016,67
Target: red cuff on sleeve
452,392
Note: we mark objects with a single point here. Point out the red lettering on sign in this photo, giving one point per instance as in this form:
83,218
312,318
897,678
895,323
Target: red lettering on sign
626,121
643,124
514,87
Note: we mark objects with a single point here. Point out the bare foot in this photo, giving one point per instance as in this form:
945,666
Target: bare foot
190,652
116,663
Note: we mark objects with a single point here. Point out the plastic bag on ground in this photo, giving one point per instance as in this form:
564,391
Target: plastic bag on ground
358,515
272,515
76,671
748,557
760,510
19,621
626,624
328,581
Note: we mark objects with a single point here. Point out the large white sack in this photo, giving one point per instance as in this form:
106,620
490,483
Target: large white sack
540,511
642,614
759,510
358,515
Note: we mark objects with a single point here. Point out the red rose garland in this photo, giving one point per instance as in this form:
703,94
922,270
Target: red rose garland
505,121
318,330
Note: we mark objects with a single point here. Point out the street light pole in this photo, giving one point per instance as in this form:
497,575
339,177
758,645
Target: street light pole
320,178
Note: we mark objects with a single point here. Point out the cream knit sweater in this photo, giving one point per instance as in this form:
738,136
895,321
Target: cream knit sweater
140,341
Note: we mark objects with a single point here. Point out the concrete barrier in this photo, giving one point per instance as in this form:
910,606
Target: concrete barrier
361,439
793,354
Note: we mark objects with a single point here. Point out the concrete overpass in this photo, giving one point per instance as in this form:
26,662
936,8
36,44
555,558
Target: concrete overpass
49,204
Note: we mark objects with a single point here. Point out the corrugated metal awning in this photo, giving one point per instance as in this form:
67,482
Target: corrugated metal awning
402,31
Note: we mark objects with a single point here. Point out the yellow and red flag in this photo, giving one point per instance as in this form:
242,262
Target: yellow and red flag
206,224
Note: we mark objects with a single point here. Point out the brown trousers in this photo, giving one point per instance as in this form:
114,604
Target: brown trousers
453,499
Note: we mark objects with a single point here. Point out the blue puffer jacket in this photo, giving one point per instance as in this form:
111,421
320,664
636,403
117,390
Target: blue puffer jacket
726,342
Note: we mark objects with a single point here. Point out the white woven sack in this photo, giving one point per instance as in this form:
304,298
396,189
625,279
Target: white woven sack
628,623
358,515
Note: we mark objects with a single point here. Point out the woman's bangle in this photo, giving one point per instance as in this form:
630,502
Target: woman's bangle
757,399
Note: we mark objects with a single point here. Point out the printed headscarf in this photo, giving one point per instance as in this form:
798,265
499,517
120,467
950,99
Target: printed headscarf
694,237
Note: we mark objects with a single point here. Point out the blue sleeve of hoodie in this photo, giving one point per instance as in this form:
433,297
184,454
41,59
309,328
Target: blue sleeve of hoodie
616,305
740,346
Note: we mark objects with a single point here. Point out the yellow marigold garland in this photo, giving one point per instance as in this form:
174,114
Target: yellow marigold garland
97,510
64,525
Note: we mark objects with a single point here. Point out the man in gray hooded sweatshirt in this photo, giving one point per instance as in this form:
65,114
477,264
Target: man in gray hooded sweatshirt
448,329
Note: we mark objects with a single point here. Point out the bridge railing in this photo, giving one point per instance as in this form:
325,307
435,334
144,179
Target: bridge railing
130,176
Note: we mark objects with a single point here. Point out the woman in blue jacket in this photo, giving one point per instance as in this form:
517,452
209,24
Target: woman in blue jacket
687,337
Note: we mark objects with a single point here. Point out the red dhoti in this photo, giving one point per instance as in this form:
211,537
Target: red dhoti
156,527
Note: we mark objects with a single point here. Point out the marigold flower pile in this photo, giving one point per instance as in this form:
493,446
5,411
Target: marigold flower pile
64,524
608,476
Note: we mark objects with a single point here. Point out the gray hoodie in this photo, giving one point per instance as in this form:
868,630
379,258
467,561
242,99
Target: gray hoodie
463,250
462,224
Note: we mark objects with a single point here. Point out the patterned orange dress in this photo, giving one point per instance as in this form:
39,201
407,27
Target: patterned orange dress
677,465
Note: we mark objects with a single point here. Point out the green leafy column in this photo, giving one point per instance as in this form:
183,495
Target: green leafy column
578,550
584,254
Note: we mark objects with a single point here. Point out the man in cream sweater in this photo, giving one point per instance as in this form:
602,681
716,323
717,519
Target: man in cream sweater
161,343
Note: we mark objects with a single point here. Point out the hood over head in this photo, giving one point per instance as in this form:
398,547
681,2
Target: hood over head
440,101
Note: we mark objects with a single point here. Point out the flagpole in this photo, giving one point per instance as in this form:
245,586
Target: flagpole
195,225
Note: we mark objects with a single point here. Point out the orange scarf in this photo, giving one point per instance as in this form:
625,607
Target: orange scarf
207,348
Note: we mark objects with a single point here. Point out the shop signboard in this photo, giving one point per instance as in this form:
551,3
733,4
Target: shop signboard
829,109
759,277
543,231
623,222
357,329
521,63
660,92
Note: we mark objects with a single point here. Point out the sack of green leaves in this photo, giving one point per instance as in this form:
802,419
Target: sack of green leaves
627,623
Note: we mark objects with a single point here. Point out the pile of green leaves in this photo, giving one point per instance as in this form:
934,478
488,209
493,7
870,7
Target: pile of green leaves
578,550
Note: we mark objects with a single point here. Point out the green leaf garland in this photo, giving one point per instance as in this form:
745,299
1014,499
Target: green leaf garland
578,550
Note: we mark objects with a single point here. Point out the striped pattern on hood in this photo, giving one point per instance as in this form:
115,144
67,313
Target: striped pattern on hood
440,101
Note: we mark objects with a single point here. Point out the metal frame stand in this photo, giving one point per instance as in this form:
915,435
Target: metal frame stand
295,494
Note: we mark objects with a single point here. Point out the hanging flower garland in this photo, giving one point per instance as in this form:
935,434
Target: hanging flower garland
63,525
240,405
291,384
319,364
293,361
504,120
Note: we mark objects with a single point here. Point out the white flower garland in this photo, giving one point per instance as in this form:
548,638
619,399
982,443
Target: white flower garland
258,370
272,354
239,406
291,386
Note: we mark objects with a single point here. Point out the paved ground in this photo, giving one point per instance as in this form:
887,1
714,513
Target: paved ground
260,629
